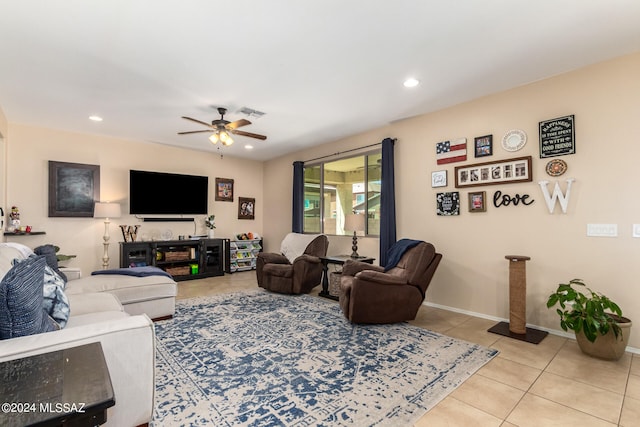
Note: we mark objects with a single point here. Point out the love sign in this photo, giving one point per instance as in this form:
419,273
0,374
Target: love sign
500,199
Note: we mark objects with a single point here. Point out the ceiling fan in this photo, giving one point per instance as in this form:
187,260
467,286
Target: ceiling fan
222,129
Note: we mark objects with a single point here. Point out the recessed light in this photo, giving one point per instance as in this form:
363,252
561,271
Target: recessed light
411,82
248,147
95,118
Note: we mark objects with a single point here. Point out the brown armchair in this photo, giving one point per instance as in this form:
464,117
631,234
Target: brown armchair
368,294
288,272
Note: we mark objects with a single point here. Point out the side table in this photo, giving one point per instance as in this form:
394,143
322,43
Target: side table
339,260
68,387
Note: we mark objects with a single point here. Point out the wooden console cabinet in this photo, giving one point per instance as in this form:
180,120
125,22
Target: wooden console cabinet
183,259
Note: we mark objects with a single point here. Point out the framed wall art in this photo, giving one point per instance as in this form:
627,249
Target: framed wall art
477,201
73,189
448,204
246,208
438,179
483,146
224,190
557,137
506,171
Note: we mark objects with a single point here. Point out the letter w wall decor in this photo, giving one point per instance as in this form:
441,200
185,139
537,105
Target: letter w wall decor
557,195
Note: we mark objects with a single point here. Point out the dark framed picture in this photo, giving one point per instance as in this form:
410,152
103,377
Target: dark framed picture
73,189
557,137
483,146
246,208
448,204
477,201
490,173
224,190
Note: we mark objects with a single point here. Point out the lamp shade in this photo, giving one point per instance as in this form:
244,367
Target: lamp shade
354,222
107,210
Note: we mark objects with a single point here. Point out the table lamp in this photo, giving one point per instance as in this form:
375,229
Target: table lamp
106,210
355,223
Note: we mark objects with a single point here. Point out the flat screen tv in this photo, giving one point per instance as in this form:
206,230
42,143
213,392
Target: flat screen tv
153,193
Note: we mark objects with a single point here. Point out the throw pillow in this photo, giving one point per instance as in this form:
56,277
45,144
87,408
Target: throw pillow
49,252
55,302
21,301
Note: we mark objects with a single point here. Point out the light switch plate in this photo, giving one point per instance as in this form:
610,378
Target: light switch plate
602,230
636,230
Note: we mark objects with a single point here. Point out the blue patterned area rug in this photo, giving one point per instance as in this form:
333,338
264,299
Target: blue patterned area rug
263,359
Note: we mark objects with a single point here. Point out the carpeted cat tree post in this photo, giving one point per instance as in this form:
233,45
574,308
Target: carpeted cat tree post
517,325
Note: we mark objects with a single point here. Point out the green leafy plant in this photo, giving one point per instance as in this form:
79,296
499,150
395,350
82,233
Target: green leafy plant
589,312
62,257
210,222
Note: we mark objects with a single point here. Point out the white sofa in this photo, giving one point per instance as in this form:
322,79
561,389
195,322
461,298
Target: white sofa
128,341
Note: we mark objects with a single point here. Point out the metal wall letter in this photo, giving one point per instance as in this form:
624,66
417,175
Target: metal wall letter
557,195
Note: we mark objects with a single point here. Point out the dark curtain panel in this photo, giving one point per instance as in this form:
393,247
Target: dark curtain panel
298,197
387,201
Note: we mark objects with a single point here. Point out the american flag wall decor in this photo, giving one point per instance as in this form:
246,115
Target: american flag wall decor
451,151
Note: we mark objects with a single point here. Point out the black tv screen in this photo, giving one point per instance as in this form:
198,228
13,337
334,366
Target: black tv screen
167,193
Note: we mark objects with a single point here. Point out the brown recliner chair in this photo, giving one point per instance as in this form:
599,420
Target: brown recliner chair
295,274
368,294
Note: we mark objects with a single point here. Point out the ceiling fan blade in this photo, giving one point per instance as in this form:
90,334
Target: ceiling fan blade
194,131
237,124
197,121
249,134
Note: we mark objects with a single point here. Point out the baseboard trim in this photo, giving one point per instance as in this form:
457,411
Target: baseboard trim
557,332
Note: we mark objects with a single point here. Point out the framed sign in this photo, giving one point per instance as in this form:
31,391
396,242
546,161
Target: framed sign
73,189
448,204
246,208
490,173
557,137
483,145
438,179
224,190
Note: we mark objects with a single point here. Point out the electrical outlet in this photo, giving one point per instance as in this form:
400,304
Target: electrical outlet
636,230
602,230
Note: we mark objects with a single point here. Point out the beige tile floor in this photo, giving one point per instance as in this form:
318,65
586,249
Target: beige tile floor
549,384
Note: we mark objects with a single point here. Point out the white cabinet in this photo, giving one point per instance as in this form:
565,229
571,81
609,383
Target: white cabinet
243,253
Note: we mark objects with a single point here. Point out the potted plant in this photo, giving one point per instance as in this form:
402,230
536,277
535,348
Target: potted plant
600,328
210,223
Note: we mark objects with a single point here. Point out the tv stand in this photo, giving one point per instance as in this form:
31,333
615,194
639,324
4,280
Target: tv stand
183,259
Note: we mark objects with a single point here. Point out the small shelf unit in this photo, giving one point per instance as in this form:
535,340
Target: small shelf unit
243,254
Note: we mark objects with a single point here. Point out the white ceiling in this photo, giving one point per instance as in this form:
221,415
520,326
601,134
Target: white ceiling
320,69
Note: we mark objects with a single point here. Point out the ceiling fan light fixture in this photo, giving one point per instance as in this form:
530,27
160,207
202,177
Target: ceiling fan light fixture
224,137
214,138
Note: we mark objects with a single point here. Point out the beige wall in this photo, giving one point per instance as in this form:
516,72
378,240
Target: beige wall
30,149
473,276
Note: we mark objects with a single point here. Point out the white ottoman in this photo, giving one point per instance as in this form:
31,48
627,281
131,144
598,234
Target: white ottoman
154,296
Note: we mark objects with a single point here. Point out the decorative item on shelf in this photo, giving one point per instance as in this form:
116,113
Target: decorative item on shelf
129,232
210,223
14,217
355,223
106,210
600,328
